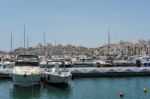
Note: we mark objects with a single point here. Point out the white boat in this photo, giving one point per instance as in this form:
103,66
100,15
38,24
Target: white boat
51,63
6,69
145,60
43,64
26,71
102,63
57,75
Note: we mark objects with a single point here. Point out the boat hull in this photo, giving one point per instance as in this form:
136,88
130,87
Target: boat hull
51,78
26,80
5,73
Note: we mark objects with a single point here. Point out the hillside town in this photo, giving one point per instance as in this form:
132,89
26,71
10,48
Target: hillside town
113,54
142,47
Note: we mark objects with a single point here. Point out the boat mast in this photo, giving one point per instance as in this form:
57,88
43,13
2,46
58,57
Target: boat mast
27,42
44,38
11,42
55,52
11,46
44,43
108,43
55,41
24,40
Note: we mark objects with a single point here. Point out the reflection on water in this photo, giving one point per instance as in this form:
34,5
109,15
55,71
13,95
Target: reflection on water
5,87
59,86
25,93
43,91
85,88
56,91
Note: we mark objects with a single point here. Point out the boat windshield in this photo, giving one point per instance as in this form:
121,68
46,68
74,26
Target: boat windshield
31,59
26,64
27,60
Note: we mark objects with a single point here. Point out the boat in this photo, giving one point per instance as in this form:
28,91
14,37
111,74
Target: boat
43,64
57,75
61,63
26,71
145,60
83,63
6,69
51,63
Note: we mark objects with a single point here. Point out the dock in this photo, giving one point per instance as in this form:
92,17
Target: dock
110,72
86,72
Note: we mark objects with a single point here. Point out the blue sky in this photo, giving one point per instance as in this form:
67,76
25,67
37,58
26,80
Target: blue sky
77,22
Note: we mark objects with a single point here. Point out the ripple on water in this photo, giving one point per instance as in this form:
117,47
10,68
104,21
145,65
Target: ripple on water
83,88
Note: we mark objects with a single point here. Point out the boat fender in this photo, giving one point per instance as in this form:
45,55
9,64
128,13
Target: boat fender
25,75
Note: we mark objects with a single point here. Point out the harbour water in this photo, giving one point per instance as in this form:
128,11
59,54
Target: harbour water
81,88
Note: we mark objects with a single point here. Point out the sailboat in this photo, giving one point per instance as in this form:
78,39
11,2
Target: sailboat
26,71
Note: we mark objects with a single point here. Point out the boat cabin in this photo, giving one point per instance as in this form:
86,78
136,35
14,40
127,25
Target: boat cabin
27,60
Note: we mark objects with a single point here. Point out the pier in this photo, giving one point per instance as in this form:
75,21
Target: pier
110,72
80,72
